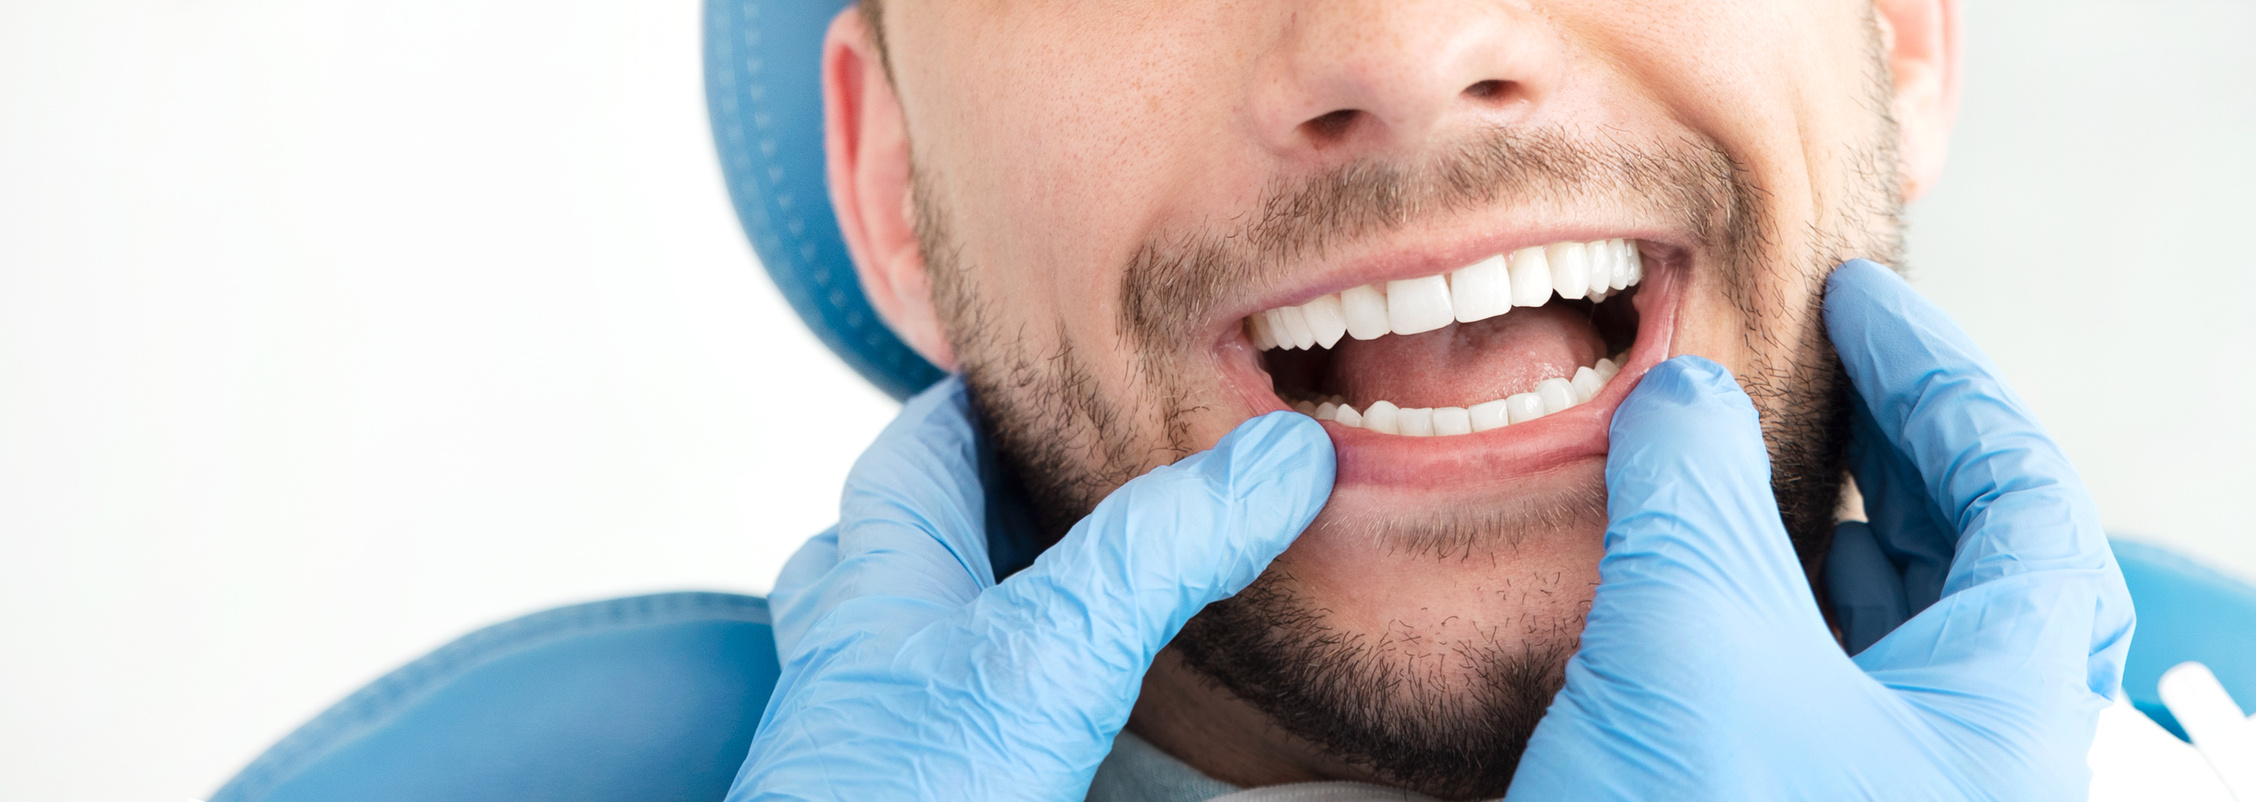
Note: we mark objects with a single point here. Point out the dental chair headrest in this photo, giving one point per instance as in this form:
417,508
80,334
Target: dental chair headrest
763,90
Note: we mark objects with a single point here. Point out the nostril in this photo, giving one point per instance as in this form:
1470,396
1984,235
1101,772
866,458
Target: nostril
1332,126
1490,90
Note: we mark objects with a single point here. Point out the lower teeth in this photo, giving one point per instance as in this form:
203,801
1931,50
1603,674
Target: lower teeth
1550,395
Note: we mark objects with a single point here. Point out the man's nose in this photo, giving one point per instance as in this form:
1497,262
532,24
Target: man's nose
1352,77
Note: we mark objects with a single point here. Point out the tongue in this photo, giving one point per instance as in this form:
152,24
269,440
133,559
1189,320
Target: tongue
1466,363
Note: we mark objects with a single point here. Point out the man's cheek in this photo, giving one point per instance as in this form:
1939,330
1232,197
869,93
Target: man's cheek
1709,326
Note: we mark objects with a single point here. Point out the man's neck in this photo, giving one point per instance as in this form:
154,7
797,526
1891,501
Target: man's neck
1187,715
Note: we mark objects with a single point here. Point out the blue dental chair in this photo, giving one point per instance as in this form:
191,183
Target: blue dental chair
656,697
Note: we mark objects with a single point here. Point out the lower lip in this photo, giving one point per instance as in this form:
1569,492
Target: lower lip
1511,453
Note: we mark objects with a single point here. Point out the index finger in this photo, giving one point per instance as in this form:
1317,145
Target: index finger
2033,605
2006,487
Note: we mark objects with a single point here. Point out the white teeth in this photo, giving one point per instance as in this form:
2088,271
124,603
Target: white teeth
1625,252
1586,384
1296,327
1531,278
1489,415
1415,422
1550,396
1366,311
1452,420
1418,305
1475,292
1524,407
1381,418
1605,261
1558,394
1257,332
1325,320
1347,416
1481,290
1274,319
1570,268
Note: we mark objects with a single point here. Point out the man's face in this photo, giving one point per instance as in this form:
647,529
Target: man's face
1104,194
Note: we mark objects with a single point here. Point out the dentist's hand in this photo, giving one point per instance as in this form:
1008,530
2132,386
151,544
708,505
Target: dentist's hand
1706,671
909,673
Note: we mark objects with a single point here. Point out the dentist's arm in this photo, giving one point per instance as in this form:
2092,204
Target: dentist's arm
1706,671
909,673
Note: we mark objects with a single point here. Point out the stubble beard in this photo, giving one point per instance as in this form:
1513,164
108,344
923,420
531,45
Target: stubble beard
1452,729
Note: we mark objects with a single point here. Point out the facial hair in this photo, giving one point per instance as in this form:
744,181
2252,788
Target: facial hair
1451,736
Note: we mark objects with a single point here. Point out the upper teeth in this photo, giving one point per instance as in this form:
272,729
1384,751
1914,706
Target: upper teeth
1477,291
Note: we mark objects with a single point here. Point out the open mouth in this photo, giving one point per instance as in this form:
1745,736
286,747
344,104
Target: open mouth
1506,341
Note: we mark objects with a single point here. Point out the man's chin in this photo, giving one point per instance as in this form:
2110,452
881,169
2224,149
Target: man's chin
1417,641
1467,514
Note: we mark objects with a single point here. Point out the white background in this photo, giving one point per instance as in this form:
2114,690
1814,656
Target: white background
331,331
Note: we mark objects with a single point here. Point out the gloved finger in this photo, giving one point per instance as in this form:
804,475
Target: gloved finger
1864,586
1099,605
1701,615
1695,542
2034,606
1880,572
1907,526
798,597
2002,484
911,533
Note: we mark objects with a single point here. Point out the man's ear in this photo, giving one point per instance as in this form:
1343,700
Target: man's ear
867,146
1921,41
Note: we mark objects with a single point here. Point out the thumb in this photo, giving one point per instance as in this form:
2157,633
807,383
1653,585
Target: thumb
1685,624
1695,538
1172,541
1688,482
1119,586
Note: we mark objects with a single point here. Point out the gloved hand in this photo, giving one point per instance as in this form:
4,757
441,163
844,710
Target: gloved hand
910,673
1706,671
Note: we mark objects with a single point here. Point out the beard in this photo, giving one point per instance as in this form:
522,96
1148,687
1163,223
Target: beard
1453,728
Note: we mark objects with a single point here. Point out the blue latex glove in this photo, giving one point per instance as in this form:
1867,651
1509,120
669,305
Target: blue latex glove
1706,671
910,673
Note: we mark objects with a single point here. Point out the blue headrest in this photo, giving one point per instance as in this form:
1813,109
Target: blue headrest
641,698
2186,611
763,88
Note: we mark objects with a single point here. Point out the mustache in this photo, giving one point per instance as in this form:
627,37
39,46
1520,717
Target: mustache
1176,279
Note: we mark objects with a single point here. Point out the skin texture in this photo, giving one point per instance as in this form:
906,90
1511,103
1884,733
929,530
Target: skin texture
1075,204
